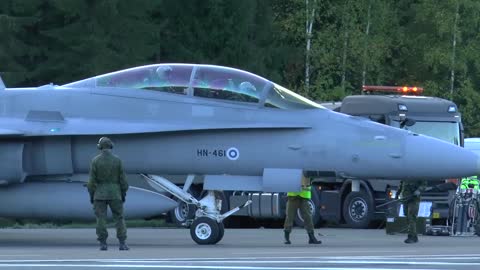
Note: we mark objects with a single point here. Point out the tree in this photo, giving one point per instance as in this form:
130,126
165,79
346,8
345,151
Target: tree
19,50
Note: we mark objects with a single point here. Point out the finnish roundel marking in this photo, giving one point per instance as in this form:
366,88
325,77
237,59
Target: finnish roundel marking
232,153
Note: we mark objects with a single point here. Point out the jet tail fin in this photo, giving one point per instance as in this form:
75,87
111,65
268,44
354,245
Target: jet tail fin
2,85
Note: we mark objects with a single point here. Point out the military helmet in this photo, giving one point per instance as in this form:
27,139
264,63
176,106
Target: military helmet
104,143
164,72
247,87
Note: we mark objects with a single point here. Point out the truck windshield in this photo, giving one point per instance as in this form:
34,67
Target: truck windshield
447,131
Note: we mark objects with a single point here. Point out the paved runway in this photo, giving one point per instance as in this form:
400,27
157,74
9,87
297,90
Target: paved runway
342,249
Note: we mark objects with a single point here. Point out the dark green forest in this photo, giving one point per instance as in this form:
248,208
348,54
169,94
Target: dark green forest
321,49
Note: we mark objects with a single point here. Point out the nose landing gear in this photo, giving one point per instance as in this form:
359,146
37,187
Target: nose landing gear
207,227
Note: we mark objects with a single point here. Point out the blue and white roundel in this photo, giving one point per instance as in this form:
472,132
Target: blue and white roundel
232,153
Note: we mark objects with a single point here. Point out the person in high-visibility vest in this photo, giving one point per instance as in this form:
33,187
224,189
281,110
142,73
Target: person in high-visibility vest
300,200
470,181
464,183
474,182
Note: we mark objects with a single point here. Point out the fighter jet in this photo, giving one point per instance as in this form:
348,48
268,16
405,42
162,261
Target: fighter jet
236,129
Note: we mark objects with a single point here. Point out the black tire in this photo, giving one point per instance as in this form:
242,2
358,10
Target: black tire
182,213
221,233
358,210
205,231
314,203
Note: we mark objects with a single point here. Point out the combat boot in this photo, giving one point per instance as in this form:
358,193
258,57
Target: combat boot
411,239
103,245
312,239
287,237
123,246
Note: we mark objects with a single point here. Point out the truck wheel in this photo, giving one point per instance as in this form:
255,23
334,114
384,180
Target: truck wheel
358,210
314,202
205,231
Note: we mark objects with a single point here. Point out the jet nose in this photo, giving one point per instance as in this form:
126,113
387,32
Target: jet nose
431,158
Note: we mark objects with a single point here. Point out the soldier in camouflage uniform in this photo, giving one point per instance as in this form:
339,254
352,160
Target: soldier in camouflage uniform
108,187
410,193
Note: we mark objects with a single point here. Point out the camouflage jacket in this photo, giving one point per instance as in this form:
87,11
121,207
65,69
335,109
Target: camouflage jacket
107,178
407,188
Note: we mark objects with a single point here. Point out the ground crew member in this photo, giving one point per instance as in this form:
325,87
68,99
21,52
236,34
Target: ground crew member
410,192
474,182
470,181
108,187
300,200
464,183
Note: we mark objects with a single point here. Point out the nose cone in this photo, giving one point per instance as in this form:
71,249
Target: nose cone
430,158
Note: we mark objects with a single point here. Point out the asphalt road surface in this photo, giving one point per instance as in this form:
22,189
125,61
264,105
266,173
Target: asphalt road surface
342,249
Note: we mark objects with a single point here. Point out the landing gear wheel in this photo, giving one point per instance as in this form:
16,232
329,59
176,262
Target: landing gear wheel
182,213
205,231
221,228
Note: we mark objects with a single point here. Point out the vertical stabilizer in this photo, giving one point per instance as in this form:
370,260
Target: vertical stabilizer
2,85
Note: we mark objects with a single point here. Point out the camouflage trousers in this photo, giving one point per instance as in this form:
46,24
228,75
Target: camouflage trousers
410,210
294,203
100,208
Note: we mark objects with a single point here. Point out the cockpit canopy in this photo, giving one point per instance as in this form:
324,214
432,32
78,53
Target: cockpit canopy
204,81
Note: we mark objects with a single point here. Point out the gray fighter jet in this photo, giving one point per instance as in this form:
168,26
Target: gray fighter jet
237,130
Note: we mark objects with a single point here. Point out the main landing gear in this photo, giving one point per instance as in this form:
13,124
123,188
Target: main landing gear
207,227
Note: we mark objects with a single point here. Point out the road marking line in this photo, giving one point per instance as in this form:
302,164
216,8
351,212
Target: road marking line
256,259
201,267
314,252
320,262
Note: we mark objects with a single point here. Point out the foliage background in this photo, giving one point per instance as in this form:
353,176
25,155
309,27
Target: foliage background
409,42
